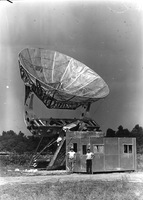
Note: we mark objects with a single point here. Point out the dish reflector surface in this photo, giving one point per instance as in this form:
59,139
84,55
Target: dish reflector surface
61,76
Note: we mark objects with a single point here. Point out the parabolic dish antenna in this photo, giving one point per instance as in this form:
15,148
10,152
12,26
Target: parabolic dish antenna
59,80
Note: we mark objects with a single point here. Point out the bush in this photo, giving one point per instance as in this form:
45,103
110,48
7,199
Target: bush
15,159
139,162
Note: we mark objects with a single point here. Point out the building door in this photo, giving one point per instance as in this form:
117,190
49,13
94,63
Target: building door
127,154
83,150
97,147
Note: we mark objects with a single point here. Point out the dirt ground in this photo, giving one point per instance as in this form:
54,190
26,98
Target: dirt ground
61,176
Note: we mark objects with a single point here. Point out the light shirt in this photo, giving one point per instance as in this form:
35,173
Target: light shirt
89,156
71,154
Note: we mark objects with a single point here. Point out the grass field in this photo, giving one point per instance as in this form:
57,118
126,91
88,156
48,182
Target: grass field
81,190
72,190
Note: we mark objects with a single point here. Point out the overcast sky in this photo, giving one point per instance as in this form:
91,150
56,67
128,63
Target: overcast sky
106,36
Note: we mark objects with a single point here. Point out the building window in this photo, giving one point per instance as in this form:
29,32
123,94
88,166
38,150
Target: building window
98,148
75,147
84,148
128,148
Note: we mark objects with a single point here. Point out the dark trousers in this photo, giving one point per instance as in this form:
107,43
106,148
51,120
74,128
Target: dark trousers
89,166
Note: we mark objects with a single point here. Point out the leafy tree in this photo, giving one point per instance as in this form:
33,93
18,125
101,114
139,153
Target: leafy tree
121,132
21,147
127,133
10,141
137,132
110,133
8,134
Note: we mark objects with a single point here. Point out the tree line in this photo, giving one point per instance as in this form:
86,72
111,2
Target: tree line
20,143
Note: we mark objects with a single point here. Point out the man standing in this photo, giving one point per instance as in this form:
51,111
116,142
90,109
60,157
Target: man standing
71,159
89,157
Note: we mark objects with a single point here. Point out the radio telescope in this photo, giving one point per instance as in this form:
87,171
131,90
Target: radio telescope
60,82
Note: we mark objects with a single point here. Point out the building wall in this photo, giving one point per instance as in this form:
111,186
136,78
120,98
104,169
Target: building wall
110,154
